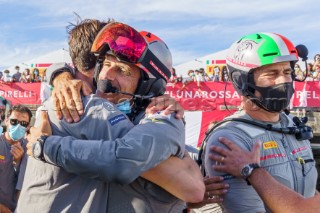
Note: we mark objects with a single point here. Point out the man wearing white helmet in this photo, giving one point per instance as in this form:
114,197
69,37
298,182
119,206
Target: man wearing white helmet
124,57
260,67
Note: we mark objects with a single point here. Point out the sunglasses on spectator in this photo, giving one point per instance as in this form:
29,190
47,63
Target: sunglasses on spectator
14,122
128,45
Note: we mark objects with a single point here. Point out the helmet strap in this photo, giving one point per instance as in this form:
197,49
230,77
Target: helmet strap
147,88
250,82
97,70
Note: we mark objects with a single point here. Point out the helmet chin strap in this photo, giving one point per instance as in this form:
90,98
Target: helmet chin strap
97,70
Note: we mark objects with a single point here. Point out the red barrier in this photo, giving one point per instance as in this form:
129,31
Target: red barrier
214,95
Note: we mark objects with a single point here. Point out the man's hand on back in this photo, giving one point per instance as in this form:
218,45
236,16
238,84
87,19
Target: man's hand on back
67,98
233,159
166,104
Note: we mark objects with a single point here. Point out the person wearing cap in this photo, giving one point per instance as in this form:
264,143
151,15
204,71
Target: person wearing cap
13,157
261,68
117,162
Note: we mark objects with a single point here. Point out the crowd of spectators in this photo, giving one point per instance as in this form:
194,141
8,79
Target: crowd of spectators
27,76
219,74
314,69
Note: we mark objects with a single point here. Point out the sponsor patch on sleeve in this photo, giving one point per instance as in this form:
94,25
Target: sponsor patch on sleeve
270,145
2,157
117,119
108,106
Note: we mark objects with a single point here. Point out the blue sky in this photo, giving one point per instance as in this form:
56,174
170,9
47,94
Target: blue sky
191,28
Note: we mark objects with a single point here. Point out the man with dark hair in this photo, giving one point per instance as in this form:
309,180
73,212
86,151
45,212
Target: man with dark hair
103,123
13,157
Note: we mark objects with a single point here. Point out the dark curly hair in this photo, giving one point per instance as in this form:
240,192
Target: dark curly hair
21,109
81,37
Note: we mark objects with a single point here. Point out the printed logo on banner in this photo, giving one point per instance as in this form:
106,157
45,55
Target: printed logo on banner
117,119
22,93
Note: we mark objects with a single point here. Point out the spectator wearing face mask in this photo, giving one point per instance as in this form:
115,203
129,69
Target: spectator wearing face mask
13,157
35,76
204,74
6,78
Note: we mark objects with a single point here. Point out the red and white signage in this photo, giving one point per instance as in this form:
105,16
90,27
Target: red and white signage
21,93
215,95
209,104
202,106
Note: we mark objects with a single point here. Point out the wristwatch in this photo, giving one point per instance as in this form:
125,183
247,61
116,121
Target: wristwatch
37,148
247,169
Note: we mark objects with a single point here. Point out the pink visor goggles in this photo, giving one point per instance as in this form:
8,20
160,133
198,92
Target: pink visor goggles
128,45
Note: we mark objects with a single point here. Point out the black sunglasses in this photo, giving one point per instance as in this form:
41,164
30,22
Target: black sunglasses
14,122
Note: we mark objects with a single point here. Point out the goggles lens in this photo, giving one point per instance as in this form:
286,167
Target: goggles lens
14,122
125,42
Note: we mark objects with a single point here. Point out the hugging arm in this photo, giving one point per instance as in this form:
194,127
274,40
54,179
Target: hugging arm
180,177
121,160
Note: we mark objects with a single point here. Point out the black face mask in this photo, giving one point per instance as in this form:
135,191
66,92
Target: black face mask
274,98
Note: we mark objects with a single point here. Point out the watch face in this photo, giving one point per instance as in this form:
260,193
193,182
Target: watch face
245,172
37,150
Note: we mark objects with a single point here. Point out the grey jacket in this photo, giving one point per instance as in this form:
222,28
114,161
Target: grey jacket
104,152
279,156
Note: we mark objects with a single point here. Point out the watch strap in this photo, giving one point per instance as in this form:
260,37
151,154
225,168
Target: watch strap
253,166
41,141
